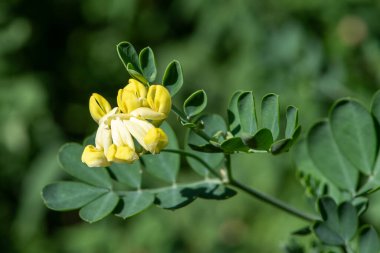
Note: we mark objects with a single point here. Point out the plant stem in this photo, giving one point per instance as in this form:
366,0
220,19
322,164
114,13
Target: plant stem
272,201
184,118
185,153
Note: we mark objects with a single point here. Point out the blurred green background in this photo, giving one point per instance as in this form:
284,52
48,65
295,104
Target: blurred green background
55,53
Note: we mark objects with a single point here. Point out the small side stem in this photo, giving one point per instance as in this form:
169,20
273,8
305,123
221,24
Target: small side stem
272,201
184,118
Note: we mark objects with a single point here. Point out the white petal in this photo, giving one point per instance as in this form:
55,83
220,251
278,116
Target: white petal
147,113
120,134
138,128
103,137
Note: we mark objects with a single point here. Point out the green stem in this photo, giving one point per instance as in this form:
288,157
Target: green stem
185,153
272,201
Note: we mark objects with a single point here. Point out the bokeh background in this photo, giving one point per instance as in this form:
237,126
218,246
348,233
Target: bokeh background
55,53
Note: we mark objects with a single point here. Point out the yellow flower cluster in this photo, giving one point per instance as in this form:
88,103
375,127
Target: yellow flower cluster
131,129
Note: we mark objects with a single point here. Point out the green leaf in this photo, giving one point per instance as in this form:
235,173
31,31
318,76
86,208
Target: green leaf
195,103
247,112
291,121
262,140
270,114
216,191
281,146
173,78
369,240
129,174
354,132
329,212
164,165
128,54
212,124
69,157
233,114
64,196
89,140
148,64
208,148
234,144
99,208
327,235
348,220
135,74
326,156
375,106
134,203
175,197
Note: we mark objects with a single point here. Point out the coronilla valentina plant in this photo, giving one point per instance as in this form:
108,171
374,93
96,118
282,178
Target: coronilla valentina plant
134,138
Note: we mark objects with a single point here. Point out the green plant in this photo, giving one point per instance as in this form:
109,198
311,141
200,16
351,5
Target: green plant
335,154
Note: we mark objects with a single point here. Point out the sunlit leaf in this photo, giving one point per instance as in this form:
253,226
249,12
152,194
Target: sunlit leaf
195,103
129,174
354,131
233,114
326,156
148,64
247,112
291,121
173,78
270,114
64,196
128,54
135,74
134,203
99,208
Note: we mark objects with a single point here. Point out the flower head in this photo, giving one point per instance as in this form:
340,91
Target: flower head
136,119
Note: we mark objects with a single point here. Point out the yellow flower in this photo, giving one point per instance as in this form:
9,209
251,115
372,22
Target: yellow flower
99,106
132,96
94,157
159,99
156,140
123,148
148,136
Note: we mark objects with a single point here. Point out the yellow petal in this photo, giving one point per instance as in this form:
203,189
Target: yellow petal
99,106
156,140
159,99
121,154
132,96
94,157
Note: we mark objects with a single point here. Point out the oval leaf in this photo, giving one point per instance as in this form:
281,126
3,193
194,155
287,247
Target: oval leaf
281,146
247,112
64,196
69,157
175,197
354,132
128,54
270,114
375,107
234,144
326,156
134,203
262,140
291,121
369,240
164,165
173,78
233,114
135,74
212,124
327,235
129,174
99,208
148,64
348,219
195,103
